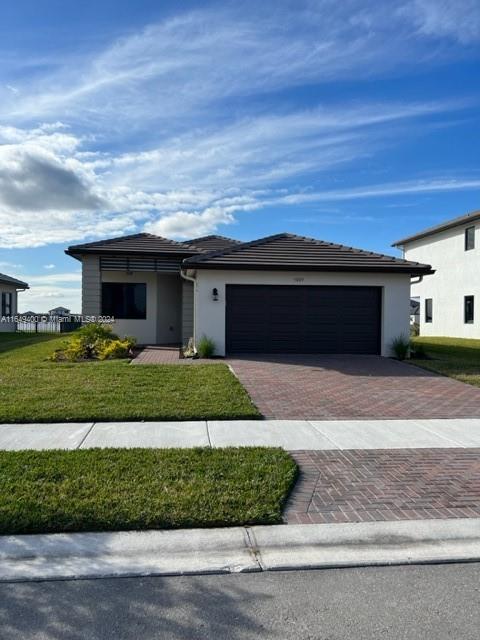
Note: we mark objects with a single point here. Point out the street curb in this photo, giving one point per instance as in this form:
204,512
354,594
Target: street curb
368,544
237,549
72,556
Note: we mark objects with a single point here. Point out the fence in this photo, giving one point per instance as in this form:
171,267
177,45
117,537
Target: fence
48,326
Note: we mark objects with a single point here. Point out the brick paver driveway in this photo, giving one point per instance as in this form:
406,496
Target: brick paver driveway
395,484
343,387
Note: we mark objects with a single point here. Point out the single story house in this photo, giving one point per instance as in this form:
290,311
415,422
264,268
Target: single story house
9,288
448,299
280,294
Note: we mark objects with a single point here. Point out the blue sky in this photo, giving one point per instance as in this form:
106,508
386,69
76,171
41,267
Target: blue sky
354,122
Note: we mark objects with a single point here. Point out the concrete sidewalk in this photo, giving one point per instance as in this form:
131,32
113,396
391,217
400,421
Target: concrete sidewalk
292,435
237,549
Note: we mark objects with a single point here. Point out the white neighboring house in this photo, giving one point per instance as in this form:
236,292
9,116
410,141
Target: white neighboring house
61,312
9,288
450,298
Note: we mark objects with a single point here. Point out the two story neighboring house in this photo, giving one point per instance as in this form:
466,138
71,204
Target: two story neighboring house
62,312
450,298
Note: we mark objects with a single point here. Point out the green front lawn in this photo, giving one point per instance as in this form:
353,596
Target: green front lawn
33,389
457,358
121,489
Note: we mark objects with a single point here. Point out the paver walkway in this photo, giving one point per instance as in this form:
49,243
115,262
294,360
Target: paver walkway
363,486
164,354
340,387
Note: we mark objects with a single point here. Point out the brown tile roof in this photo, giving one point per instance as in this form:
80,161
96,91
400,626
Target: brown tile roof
212,243
449,224
138,243
295,253
4,279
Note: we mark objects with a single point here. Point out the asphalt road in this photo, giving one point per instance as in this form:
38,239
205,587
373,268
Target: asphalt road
415,602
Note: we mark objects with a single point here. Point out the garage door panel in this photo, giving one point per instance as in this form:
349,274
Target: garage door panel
302,319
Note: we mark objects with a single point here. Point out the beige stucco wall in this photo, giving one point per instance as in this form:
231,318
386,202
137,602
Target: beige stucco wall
169,318
145,331
8,326
163,324
456,276
210,315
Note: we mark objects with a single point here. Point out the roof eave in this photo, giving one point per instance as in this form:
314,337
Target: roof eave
446,226
72,254
406,270
19,285
78,253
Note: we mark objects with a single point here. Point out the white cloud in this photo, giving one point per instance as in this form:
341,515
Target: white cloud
41,298
50,290
458,20
52,278
53,189
34,179
163,129
180,65
4,264
388,189
49,266
186,224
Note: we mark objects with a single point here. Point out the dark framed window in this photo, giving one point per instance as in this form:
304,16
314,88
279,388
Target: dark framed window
428,310
124,300
469,238
7,303
468,306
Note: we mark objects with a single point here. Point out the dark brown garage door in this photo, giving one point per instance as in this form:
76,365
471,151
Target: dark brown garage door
303,319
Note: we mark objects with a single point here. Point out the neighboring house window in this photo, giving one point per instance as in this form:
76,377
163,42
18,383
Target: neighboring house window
125,301
469,238
469,309
7,301
428,310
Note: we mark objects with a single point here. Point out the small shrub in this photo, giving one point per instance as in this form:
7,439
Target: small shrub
113,349
95,331
94,342
88,340
400,347
205,347
78,349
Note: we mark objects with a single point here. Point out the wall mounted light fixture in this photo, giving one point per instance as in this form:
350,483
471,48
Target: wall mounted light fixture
215,294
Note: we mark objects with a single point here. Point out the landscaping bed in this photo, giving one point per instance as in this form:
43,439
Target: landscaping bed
34,389
457,358
128,489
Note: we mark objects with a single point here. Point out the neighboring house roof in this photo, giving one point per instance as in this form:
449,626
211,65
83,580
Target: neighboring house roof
4,279
212,243
146,243
286,252
59,309
449,224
